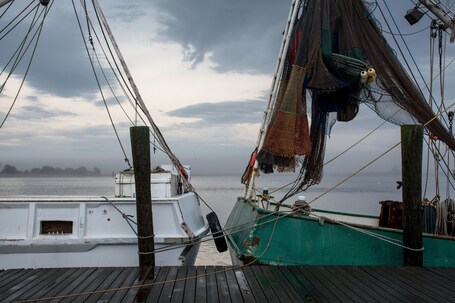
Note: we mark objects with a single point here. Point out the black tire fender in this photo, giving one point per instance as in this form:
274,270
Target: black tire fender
217,232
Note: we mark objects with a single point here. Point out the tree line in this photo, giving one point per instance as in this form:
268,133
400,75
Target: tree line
10,170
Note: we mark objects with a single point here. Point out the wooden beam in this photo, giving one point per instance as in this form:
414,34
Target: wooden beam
411,159
140,147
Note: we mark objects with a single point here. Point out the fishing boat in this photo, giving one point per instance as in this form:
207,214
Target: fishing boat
334,58
81,231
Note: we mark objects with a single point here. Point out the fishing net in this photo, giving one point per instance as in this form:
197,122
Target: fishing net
288,133
339,57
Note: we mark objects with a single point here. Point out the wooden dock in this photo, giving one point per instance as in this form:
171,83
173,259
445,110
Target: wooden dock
229,284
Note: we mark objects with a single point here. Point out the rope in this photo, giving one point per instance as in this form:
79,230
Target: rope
18,54
407,48
7,8
100,89
443,210
404,35
6,26
275,220
390,240
124,216
159,282
335,157
121,84
175,161
28,66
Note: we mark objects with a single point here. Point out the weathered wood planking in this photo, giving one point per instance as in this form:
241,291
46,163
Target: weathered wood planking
229,284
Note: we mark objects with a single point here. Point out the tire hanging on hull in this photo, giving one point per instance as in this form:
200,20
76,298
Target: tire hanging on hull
217,232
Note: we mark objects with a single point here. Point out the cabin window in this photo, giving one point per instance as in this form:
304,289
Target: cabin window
56,228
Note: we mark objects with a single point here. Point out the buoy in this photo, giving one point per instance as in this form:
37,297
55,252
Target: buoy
217,232
370,79
371,72
363,76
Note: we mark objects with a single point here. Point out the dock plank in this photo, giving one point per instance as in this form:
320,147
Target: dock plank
179,288
131,277
366,280
201,285
156,289
145,275
212,289
168,287
313,284
223,290
423,291
282,289
349,280
116,283
233,286
91,284
344,290
256,290
332,292
105,284
298,287
49,285
7,275
264,283
284,285
190,285
245,289
401,294
26,285
230,284
70,285
10,279
315,294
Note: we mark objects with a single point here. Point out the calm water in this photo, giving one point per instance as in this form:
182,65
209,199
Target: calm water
359,195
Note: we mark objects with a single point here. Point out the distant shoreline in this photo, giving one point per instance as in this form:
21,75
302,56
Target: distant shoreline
50,171
25,175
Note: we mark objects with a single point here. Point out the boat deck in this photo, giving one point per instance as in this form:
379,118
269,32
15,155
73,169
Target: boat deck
229,284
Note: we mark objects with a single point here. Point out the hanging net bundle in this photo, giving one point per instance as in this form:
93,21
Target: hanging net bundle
340,59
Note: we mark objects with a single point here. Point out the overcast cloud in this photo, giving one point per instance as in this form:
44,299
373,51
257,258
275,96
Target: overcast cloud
239,35
204,68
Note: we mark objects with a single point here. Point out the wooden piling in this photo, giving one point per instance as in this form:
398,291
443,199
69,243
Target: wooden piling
140,146
411,159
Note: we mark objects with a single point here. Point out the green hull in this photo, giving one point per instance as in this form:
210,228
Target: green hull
301,240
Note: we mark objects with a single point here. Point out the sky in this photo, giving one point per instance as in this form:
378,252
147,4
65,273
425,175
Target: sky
204,69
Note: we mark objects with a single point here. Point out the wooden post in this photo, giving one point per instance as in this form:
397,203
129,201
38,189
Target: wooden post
140,147
411,160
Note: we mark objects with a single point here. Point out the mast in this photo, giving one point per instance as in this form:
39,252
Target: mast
274,90
3,2
447,19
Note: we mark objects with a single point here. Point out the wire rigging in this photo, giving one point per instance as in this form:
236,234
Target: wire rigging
11,22
118,75
20,52
46,9
100,88
116,72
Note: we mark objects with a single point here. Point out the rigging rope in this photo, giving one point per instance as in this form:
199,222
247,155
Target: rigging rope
121,84
100,88
19,53
46,9
11,22
6,9
175,161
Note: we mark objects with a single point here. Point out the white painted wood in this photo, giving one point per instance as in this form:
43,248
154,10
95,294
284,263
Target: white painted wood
100,235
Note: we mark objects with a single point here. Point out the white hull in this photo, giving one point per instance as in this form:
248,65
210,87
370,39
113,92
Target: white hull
94,232
97,255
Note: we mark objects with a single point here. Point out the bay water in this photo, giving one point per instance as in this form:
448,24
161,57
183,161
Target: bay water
361,194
